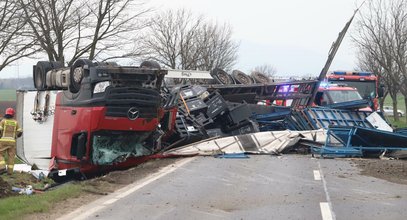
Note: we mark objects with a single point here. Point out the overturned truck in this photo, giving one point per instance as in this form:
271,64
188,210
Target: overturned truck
83,118
95,117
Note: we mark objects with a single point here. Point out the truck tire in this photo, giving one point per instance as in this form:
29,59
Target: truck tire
150,64
57,65
39,74
260,78
77,73
221,76
106,64
241,78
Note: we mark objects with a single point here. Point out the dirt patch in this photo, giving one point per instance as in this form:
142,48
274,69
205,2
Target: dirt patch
5,189
390,170
100,186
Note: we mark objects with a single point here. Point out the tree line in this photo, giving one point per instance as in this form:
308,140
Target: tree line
381,40
104,30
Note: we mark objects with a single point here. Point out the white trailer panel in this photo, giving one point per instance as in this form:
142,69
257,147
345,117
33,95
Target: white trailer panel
36,117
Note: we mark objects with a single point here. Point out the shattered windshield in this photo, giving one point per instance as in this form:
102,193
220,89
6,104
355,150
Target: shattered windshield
113,147
338,96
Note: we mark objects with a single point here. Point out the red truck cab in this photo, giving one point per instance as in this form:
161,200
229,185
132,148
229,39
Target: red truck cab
106,116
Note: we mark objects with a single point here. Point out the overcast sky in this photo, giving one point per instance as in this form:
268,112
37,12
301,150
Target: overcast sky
294,36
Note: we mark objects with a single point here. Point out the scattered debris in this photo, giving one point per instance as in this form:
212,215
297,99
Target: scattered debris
359,141
5,189
273,143
233,156
23,183
22,168
391,170
28,190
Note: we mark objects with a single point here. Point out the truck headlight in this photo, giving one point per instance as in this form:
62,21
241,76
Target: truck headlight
101,87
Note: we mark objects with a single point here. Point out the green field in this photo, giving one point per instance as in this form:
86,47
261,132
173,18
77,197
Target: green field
400,102
7,95
401,106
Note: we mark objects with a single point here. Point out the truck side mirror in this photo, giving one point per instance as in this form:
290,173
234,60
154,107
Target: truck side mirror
78,146
380,91
81,148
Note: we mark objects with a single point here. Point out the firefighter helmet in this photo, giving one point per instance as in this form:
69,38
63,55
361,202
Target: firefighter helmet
10,111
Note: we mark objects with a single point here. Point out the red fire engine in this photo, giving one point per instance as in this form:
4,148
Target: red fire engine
365,82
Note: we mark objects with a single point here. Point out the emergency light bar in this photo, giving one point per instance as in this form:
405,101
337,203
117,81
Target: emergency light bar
354,73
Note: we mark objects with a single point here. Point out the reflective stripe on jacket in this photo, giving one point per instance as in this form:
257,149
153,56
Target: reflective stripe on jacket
9,128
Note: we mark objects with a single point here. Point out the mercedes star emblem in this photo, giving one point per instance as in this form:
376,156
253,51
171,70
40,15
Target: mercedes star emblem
133,113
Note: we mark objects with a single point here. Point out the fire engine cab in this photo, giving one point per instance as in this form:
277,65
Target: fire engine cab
332,93
365,82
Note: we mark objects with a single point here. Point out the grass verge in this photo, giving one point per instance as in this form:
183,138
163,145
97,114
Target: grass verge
398,124
18,206
22,180
400,102
400,105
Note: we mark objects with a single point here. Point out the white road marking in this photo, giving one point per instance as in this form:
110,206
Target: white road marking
328,198
325,211
317,175
110,201
85,211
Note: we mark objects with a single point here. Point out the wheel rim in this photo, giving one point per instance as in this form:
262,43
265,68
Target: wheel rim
243,79
78,75
223,78
262,79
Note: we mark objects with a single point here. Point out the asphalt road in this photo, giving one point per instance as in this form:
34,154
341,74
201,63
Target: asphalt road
260,187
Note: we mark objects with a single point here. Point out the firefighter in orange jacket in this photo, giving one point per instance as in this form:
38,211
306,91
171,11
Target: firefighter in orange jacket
9,130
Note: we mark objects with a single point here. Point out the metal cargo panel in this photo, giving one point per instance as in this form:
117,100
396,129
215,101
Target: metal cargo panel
34,147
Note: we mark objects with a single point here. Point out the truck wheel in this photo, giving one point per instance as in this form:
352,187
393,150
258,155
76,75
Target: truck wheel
241,77
57,65
150,64
260,78
106,64
221,76
77,73
39,74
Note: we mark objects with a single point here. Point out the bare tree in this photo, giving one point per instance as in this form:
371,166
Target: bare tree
13,42
266,69
399,25
216,47
83,28
179,40
376,42
170,39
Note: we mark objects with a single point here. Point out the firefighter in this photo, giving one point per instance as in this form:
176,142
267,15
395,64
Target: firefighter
9,131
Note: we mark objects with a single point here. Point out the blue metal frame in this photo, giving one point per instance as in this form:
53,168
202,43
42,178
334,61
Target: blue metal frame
344,137
325,117
316,118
